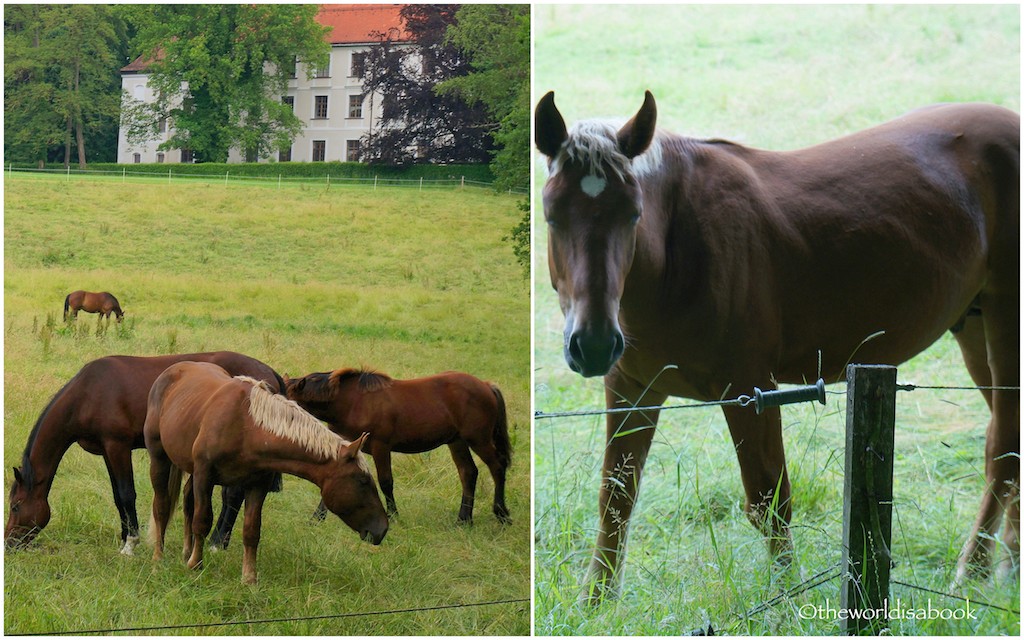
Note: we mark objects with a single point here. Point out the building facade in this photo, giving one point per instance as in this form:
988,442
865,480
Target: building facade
335,112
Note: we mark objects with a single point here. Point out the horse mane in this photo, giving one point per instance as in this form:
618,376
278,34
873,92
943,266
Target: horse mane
369,380
286,419
592,144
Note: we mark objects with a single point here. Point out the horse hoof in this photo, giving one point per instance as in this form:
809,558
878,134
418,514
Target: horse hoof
468,522
129,546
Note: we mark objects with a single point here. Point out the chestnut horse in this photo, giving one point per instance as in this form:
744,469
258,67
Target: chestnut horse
413,416
238,431
743,268
102,303
103,409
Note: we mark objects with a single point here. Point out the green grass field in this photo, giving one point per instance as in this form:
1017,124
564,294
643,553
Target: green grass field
306,279
780,78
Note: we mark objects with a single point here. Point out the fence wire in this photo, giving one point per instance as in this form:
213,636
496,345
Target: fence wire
199,625
745,400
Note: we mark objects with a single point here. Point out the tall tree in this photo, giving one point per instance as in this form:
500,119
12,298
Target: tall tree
219,72
496,41
60,78
417,124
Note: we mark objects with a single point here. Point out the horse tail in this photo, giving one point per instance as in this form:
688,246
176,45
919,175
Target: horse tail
174,489
501,441
67,303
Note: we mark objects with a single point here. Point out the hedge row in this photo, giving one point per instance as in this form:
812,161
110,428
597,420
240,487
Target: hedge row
471,172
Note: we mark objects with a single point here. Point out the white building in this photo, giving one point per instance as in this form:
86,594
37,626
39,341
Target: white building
332,106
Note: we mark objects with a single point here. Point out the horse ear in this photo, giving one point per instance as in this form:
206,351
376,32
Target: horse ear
549,126
17,476
352,450
636,135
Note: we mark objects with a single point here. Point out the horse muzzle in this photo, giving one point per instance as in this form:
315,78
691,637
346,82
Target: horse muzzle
19,538
375,535
592,353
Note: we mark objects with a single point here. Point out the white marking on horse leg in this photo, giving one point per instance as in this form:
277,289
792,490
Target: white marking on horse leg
593,185
129,546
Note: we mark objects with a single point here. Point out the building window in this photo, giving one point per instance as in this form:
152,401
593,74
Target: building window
187,156
324,71
293,68
319,150
320,107
284,155
137,157
290,101
355,106
358,64
161,125
160,158
252,155
352,150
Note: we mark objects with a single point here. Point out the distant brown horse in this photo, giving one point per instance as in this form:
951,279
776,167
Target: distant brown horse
413,416
237,431
742,267
102,303
103,409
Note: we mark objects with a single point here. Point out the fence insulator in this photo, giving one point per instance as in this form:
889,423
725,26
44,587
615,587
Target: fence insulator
765,399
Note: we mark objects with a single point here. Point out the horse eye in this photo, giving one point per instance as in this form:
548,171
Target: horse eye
15,507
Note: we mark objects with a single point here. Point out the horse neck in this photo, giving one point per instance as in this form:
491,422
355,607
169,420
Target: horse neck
51,437
294,459
668,247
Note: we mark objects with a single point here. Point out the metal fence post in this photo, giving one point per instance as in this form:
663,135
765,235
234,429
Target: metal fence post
867,498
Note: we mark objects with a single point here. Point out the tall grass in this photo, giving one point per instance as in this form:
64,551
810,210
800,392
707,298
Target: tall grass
778,77
306,280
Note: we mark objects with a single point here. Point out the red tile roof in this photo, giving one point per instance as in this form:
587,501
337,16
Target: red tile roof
358,23
349,23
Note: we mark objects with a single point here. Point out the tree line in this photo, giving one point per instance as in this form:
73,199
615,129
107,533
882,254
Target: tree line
219,72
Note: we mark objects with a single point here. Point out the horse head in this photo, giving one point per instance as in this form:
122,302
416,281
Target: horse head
29,512
350,493
592,205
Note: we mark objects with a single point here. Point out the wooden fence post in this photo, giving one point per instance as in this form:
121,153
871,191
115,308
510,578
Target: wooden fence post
867,498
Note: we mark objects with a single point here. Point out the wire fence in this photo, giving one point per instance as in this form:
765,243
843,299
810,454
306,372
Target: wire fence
830,573
265,621
279,181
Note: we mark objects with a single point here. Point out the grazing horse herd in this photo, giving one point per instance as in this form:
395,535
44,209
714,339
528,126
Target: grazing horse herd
223,418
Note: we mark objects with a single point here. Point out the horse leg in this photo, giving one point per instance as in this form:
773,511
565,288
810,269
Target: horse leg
202,518
382,460
467,474
159,476
489,455
252,524
1000,318
188,505
320,513
628,440
759,448
118,458
231,501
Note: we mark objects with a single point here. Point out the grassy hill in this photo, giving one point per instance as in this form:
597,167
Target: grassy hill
305,279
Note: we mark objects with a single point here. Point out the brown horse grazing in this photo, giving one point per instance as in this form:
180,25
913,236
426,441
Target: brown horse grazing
237,431
103,409
742,267
102,303
413,416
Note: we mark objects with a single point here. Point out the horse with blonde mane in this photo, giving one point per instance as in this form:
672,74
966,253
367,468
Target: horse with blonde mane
235,430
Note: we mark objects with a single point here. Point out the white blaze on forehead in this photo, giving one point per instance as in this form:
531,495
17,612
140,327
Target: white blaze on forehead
593,185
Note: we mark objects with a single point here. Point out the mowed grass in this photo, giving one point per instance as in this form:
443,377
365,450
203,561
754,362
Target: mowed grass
306,279
779,78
